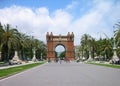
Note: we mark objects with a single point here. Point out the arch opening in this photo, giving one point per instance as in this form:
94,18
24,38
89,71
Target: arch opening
60,51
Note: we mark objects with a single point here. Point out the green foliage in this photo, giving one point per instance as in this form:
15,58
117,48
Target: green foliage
85,43
92,47
118,52
62,54
102,47
12,40
117,37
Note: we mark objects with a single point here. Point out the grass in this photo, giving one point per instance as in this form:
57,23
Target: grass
14,70
105,65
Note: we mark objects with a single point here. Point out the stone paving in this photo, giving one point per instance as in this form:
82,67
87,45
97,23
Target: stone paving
65,74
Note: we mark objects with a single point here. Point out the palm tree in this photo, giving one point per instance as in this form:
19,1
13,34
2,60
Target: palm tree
23,44
12,41
92,47
9,39
1,33
40,47
117,32
99,47
85,43
37,46
107,49
30,45
104,49
117,37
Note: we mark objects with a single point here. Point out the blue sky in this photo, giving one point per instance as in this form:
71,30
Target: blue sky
51,4
37,17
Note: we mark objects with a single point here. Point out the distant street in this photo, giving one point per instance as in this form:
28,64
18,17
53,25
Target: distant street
65,74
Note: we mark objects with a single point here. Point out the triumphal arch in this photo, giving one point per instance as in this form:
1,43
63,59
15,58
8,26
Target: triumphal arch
67,41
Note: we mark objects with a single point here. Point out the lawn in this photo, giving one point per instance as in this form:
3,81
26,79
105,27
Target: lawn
106,65
14,70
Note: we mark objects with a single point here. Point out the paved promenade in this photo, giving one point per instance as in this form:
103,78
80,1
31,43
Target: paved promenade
65,74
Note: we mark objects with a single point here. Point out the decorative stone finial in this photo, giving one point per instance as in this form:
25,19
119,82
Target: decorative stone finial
68,33
51,34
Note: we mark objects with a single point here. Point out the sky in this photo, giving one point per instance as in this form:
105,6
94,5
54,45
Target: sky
37,17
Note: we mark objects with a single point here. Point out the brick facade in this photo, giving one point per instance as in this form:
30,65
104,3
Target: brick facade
55,40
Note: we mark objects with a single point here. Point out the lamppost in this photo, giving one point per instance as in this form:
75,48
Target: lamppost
115,58
90,58
41,56
34,57
16,57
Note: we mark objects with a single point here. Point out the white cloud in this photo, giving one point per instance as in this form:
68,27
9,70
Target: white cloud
100,18
42,11
61,21
72,5
96,20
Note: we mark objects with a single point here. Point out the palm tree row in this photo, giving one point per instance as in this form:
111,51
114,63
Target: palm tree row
12,40
102,48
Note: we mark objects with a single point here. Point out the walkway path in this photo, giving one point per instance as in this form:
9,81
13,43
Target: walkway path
16,65
65,74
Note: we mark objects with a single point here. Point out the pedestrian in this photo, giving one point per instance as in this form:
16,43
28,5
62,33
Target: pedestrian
68,60
49,60
60,60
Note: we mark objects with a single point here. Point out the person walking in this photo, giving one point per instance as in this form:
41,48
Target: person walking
60,60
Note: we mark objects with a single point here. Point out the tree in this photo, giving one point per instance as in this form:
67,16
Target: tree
104,48
85,43
108,49
92,47
117,32
35,45
99,47
117,37
30,46
40,47
62,54
12,40
1,34
23,44
9,39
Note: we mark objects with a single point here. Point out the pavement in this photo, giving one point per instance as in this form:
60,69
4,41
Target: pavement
65,74
15,65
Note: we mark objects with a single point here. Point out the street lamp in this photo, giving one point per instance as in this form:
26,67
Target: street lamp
34,57
41,56
115,58
16,57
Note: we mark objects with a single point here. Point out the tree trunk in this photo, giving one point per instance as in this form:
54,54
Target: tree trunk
22,53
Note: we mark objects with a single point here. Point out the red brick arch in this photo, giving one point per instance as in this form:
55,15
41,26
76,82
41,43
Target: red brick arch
55,40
